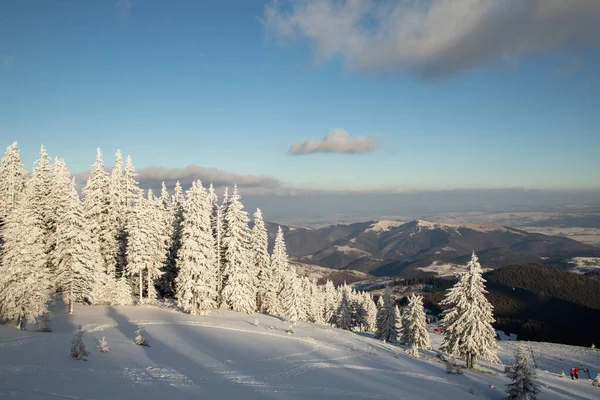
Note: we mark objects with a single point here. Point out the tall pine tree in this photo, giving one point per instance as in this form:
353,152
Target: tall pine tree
239,292
387,318
330,302
468,318
12,180
278,267
75,253
196,281
96,209
261,259
61,189
25,280
316,303
42,202
156,219
170,268
118,212
291,297
371,312
219,232
139,243
415,324
343,315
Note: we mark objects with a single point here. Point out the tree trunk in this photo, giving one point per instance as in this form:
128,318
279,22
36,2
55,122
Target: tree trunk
470,359
141,286
21,323
71,294
150,290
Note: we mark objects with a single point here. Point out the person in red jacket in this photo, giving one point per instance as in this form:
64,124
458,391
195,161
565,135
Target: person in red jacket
576,373
572,373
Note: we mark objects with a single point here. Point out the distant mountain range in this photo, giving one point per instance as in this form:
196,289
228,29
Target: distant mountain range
392,248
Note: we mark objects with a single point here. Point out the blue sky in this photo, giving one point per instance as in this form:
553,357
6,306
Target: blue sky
232,85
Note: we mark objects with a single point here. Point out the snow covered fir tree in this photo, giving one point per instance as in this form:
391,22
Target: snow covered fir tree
415,332
25,279
523,376
387,318
468,318
197,279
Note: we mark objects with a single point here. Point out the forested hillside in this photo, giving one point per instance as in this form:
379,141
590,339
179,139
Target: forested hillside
550,281
537,302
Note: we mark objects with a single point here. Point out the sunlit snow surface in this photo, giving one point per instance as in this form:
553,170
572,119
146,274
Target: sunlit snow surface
224,356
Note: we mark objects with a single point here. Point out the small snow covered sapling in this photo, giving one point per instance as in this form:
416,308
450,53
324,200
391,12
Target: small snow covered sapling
596,381
46,324
78,349
523,377
452,368
562,374
593,346
103,345
140,339
255,322
290,330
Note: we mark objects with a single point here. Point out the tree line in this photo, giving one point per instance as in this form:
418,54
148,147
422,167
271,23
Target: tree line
120,244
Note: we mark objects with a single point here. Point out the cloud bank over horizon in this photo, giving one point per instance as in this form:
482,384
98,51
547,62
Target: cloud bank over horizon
338,141
153,177
315,207
263,185
433,38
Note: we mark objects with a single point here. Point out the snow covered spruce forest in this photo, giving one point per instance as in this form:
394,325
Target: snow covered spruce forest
122,245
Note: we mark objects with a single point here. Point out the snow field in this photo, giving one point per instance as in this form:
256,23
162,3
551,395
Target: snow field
225,356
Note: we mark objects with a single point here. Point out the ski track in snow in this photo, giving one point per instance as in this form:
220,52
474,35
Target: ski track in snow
288,367
91,328
152,376
18,341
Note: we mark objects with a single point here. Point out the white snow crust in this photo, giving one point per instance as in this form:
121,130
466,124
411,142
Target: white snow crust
225,356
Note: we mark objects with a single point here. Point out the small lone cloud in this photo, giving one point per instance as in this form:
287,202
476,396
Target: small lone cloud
124,6
338,141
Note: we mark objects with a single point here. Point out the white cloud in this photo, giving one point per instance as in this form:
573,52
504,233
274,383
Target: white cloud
433,38
152,178
337,141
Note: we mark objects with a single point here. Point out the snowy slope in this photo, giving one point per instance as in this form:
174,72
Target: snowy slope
225,356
